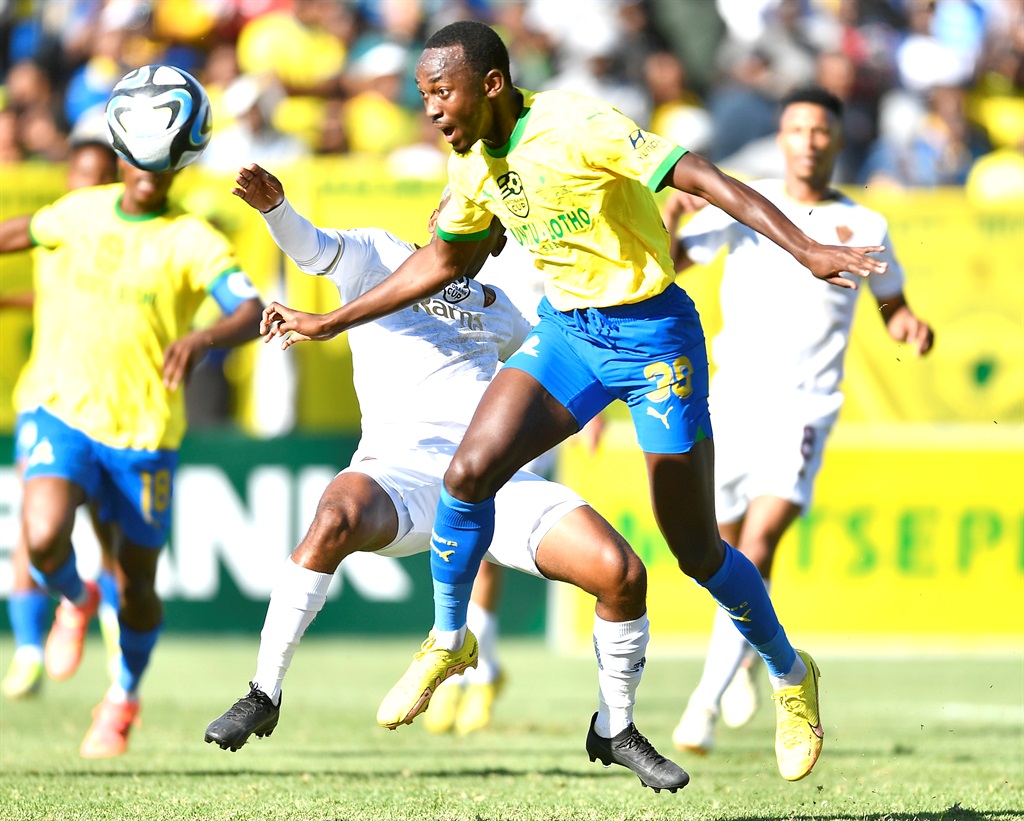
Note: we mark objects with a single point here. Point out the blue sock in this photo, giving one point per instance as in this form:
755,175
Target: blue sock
462,533
109,594
64,580
136,648
27,610
737,587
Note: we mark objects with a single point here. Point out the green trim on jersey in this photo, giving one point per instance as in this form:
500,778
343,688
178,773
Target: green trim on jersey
234,269
657,180
476,236
514,137
138,217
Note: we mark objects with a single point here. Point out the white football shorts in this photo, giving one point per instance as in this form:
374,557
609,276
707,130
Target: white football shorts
764,457
526,508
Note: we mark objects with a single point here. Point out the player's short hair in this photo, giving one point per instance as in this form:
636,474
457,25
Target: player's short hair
816,96
482,48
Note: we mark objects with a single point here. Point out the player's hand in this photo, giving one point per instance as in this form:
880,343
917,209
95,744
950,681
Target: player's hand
290,326
904,326
181,357
838,264
258,187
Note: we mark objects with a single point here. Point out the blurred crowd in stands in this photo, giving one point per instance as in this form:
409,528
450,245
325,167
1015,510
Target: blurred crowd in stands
934,89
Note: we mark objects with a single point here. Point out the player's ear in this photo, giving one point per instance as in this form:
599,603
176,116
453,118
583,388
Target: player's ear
494,82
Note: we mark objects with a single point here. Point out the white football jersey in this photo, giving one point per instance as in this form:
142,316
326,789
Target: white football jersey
784,332
420,372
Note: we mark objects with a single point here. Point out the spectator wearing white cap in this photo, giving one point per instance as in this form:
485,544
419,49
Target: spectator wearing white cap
251,136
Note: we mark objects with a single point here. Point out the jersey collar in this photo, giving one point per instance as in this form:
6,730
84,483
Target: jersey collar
517,132
137,217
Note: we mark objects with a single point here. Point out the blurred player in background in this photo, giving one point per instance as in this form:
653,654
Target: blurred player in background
91,162
774,417
445,350
572,179
112,345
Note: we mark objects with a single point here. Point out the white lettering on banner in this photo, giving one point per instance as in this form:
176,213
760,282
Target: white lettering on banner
215,529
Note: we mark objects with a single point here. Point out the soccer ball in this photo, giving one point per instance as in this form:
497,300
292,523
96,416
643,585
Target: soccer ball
159,118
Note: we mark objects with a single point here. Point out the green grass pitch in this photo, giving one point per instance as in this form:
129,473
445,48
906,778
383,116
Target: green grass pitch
930,739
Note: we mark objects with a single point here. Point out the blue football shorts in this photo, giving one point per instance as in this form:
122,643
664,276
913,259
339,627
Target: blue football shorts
130,487
650,354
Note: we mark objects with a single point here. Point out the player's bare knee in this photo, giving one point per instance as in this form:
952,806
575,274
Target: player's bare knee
48,543
623,575
465,478
333,527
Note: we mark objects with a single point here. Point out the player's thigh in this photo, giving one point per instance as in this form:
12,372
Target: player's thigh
136,493
356,512
411,482
682,497
60,471
583,549
517,420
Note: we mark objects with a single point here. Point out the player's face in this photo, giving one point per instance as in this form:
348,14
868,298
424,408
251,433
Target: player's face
145,192
810,139
91,165
455,100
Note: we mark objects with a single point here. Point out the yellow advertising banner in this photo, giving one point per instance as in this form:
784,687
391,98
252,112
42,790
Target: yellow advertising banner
963,267
915,540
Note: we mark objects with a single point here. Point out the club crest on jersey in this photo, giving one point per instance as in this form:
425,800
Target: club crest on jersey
513,195
456,291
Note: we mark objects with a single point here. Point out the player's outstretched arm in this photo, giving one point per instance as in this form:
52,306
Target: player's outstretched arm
905,326
14,234
833,263
424,273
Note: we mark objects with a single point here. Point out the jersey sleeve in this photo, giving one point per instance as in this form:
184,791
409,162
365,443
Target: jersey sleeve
313,250
890,283
49,226
706,233
463,219
610,141
210,255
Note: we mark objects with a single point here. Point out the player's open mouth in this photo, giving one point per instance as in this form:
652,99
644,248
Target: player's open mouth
448,131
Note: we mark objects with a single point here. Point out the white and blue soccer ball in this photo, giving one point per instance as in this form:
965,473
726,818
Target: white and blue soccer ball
159,118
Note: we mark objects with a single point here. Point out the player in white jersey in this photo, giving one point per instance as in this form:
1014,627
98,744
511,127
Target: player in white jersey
776,392
419,374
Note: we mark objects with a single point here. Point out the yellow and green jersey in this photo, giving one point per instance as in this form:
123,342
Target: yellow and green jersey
111,294
574,185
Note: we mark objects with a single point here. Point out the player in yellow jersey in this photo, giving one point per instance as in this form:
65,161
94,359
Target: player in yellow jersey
111,349
92,162
572,179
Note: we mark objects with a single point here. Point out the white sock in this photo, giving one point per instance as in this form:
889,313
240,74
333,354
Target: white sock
620,648
298,596
29,653
793,677
118,695
484,625
449,639
726,651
